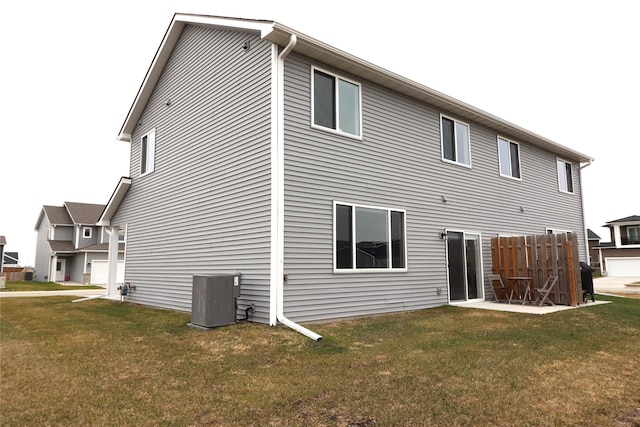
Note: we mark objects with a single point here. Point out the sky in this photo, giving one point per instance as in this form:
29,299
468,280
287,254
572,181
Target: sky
568,70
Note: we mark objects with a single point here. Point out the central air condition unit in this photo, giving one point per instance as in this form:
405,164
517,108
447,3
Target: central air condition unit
214,300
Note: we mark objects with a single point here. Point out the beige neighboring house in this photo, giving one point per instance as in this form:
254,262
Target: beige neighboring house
621,256
71,247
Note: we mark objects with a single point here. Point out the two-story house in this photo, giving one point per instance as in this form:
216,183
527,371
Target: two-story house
621,256
335,187
71,247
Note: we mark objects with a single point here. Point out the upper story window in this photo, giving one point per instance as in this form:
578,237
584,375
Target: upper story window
369,238
86,232
455,141
565,176
147,152
630,235
509,158
336,103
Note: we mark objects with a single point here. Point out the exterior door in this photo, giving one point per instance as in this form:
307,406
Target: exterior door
464,257
60,269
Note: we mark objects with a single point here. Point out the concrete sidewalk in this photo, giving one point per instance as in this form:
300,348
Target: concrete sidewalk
71,292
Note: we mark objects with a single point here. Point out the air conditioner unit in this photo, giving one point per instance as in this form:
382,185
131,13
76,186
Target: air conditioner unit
214,300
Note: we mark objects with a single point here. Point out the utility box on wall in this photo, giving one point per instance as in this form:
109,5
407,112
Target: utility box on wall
214,300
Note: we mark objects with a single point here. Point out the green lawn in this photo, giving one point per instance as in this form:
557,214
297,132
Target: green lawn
42,286
103,363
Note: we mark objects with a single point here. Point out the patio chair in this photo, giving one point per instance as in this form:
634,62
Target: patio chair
500,291
542,294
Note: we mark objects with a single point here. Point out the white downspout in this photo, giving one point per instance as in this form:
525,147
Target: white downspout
277,200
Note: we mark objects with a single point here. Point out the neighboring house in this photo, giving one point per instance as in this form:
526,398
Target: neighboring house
593,240
621,256
3,243
336,188
71,247
10,259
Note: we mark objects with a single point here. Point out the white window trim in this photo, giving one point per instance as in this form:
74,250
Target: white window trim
84,236
353,269
151,148
454,162
558,159
555,231
481,278
337,107
500,158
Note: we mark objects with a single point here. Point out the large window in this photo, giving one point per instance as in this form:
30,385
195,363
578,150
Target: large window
455,141
631,235
336,103
147,152
509,158
565,176
369,238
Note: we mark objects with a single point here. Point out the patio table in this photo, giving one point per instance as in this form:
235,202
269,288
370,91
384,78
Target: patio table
523,287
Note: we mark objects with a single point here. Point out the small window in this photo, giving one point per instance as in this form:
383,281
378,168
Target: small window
555,231
509,158
455,141
336,103
369,238
86,232
147,152
565,176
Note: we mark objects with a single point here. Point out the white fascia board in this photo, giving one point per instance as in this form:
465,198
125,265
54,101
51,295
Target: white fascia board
114,202
164,52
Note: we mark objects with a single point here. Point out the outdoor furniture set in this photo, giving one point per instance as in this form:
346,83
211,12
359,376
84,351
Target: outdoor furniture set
520,289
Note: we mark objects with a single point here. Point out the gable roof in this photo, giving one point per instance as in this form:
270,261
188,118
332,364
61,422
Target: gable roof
632,218
316,50
71,213
84,213
57,215
591,235
10,258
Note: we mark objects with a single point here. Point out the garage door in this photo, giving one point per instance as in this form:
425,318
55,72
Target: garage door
623,267
100,272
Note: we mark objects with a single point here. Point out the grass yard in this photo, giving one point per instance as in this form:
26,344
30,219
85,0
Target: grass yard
104,363
42,286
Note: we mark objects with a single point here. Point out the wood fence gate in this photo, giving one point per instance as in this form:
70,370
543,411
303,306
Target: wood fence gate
539,257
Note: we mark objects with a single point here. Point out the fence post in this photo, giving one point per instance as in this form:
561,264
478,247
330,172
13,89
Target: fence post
572,278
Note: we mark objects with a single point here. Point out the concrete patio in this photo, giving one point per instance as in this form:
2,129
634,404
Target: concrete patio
618,286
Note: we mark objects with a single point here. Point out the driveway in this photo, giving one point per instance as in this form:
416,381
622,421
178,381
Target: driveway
618,285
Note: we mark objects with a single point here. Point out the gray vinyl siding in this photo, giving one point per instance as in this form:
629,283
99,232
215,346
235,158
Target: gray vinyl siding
397,164
84,242
43,253
206,207
75,267
64,232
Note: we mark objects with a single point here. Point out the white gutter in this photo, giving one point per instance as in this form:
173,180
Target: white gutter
584,222
277,196
586,164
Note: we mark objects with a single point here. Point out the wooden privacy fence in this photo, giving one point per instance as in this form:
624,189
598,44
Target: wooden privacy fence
539,257
15,274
